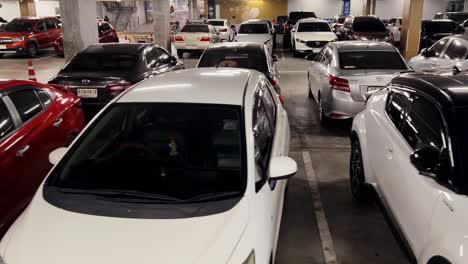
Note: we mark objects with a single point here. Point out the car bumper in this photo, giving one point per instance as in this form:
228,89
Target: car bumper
13,48
340,105
192,46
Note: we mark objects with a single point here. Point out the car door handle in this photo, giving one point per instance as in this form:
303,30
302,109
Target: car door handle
22,151
57,122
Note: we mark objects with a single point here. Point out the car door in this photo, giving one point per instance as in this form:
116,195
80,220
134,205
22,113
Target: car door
323,81
52,31
40,34
455,53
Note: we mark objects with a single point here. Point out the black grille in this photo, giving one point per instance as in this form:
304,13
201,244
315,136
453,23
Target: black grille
316,44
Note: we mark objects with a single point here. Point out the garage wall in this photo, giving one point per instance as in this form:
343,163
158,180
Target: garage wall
9,10
250,9
47,8
323,8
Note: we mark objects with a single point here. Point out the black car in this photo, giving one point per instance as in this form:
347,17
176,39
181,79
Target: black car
434,30
458,17
279,24
102,71
292,20
242,55
365,28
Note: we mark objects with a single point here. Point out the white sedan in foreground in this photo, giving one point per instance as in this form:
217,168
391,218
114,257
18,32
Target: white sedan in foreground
179,169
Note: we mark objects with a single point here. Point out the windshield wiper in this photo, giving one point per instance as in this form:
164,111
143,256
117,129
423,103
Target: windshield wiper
213,196
123,194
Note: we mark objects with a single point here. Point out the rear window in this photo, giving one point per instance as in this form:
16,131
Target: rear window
440,27
459,18
313,27
195,28
368,26
102,62
364,60
254,60
253,29
301,15
19,26
216,23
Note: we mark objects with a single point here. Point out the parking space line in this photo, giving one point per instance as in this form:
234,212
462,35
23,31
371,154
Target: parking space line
283,57
293,71
328,247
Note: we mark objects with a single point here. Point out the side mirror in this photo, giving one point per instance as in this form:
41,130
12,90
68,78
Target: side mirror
57,155
427,53
282,168
311,57
426,159
275,57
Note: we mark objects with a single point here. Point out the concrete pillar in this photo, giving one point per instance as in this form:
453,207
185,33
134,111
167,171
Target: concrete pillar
79,25
194,11
162,30
27,8
411,27
370,7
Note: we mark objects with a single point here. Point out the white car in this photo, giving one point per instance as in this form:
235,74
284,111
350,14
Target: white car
256,31
394,26
223,27
310,35
195,37
178,169
447,53
409,146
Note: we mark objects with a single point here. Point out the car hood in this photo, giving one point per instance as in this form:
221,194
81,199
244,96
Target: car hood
256,38
372,35
318,36
55,236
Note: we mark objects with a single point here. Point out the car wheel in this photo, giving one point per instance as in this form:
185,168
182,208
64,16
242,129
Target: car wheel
32,50
324,119
180,53
356,174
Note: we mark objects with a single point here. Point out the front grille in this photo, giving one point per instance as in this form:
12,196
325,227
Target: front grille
316,44
5,41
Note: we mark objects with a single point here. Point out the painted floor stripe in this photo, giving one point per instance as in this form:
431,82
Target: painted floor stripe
328,248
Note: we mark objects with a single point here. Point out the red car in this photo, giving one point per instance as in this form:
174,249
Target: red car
107,34
35,119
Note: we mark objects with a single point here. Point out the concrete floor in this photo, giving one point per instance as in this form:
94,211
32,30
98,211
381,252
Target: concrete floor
353,233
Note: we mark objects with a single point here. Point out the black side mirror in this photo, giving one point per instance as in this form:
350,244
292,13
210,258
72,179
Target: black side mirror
311,57
426,159
275,57
427,53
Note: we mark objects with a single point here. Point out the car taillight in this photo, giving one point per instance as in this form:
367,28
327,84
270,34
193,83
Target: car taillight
178,38
117,88
286,26
339,83
205,38
223,30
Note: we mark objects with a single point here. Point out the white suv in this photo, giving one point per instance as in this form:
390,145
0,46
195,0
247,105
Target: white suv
310,35
409,146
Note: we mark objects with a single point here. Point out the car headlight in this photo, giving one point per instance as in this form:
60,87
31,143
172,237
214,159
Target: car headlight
18,39
300,40
250,259
334,40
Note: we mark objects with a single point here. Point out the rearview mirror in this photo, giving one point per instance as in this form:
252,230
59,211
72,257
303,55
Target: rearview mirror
311,57
57,155
275,57
282,168
426,159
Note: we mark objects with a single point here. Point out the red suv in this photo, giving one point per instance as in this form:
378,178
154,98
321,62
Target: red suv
107,34
35,119
27,35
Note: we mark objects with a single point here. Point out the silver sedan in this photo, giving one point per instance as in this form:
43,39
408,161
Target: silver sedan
344,72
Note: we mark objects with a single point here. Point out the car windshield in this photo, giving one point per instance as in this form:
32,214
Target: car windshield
369,26
253,29
313,27
102,62
193,28
440,27
254,59
365,60
172,150
19,26
459,18
216,23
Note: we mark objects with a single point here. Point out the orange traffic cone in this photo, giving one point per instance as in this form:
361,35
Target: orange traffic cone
31,71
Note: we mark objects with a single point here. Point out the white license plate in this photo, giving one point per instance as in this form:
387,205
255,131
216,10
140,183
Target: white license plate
87,93
3,47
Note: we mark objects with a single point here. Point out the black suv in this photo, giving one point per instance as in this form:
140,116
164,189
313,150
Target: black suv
292,20
434,30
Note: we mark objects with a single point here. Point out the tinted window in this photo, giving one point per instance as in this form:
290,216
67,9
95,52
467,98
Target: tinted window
216,23
396,106
102,62
175,150
6,123
49,24
371,60
254,29
440,27
459,18
27,104
254,59
195,28
40,26
44,98
437,48
313,27
424,124
299,15
456,50
369,26
19,26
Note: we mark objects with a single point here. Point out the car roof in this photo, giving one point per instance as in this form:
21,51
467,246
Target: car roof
344,46
438,20
311,19
228,46
116,48
216,19
365,18
445,89
201,85
257,21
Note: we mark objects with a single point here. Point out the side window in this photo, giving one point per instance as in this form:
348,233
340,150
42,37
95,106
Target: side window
396,106
27,104
391,22
437,48
424,124
50,24
6,121
40,26
456,50
44,98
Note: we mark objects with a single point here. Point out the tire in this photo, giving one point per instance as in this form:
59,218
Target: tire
32,50
357,178
324,119
180,53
